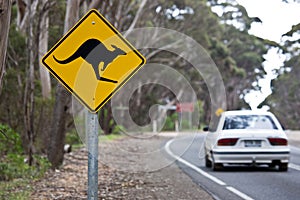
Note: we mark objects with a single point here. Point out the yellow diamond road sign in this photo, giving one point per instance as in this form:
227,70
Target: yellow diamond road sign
93,60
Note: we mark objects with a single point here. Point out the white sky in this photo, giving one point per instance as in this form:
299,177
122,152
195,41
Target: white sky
277,18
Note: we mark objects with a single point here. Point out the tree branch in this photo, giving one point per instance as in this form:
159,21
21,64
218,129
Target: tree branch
137,16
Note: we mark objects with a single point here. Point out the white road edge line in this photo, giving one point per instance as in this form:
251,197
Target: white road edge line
240,194
190,165
294,166
200,171
207,175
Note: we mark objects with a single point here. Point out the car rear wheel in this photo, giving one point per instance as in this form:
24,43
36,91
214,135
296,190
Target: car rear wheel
216,166
283,167
207,162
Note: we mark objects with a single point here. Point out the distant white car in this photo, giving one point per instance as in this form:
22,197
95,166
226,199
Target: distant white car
246,137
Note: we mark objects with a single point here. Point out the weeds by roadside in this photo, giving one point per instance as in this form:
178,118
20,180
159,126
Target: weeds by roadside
16,176
15,173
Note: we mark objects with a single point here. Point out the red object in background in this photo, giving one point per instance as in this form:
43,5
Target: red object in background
185,107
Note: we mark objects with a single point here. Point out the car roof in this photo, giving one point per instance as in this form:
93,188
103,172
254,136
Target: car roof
246,112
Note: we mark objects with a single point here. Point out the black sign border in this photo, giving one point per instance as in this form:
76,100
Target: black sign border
66,36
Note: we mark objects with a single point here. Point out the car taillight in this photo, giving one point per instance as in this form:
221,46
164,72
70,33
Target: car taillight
278,141
227,141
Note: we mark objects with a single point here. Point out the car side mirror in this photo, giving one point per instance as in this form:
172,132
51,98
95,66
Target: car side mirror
206,128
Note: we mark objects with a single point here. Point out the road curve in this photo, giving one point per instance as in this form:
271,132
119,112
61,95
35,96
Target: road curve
236,182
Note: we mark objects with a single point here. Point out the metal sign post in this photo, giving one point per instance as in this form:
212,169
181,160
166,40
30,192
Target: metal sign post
74,61
92,144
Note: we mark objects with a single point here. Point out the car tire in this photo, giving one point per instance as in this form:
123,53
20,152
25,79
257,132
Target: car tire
272,165
216,166
207,162
283,167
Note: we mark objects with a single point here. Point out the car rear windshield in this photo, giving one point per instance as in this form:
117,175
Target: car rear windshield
249,122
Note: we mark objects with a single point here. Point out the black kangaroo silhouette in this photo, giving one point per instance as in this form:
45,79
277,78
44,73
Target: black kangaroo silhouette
94,52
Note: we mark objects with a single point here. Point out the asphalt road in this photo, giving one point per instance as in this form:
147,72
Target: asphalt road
236,182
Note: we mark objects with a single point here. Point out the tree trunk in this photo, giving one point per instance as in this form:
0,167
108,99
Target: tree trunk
58,126
105,117
43,47
29,89
5,10
62,100
21,15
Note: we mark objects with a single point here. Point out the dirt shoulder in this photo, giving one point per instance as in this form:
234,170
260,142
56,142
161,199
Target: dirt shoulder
129,168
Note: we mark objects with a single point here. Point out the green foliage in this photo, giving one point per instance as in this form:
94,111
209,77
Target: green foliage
295,29
18,189
118,129
185,125
17,42
11,104
284,101
235,12
14,166
219,49
10,141
240,72
56,21
16,175
72,138
170,122
235,52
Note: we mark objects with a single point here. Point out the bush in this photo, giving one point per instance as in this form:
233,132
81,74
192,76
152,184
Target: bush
12,159
73,138
170,122
14,166
10,141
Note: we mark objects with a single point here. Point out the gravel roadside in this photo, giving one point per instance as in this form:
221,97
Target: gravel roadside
129,168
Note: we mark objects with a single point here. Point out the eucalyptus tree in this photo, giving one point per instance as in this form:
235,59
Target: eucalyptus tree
5,12
284,100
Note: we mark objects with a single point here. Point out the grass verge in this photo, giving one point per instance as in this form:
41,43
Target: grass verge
17,189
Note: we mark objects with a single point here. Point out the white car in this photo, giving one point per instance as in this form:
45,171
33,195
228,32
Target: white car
246,137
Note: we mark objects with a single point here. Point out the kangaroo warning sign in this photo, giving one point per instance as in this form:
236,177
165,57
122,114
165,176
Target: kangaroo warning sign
93,60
